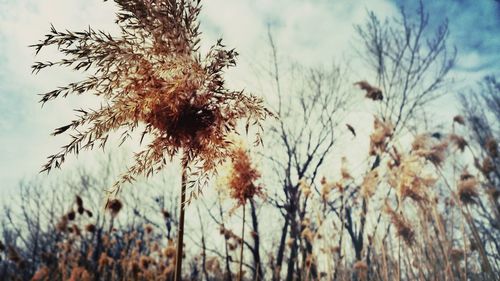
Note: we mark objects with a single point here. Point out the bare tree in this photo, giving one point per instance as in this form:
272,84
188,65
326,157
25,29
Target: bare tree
409,60
310,107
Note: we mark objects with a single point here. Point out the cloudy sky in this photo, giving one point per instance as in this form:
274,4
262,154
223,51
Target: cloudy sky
311,32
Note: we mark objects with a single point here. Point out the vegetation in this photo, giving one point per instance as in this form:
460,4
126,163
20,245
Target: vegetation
420,201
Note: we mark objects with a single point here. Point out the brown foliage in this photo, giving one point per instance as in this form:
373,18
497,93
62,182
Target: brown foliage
372,92
152,74
243,177
467,188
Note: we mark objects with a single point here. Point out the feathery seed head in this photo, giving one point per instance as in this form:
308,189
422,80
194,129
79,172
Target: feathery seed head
243,177
153,74
467,188
382,131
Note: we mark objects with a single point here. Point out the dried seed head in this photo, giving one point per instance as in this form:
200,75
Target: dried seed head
493,193
415,194
243,177
409,181
166,214
71,215
79,201
153,74
62,225
467,188
213,265
90,228
323,180
459,142
369,185
344,171
89,213
305,187
459,119
404,228
436,155
114,206
434,152
326,188
148,229
382,131
170,251
372,92
420,142
487,166
492,147
145,262
339,186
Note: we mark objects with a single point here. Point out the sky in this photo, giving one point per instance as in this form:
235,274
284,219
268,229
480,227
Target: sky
311,32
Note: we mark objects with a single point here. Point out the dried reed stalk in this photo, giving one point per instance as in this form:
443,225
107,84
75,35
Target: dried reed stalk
180,234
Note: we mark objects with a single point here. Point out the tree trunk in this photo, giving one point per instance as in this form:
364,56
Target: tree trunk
281,251
294,234
257,271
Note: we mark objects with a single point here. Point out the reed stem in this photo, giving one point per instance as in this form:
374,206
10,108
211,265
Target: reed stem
240,275
180,234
